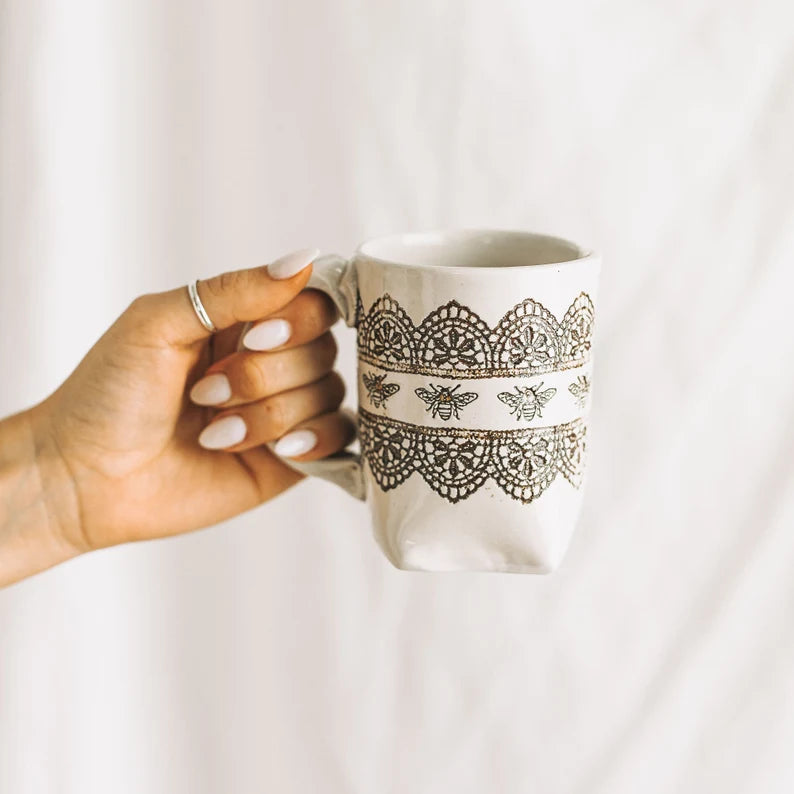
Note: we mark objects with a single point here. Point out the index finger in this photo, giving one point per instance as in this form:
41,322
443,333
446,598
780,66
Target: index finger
235,297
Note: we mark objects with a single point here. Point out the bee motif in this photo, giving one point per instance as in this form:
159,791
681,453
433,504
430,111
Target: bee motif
580,389
527,402
377,390
444,402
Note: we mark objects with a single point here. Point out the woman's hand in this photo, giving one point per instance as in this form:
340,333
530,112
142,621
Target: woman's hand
160,429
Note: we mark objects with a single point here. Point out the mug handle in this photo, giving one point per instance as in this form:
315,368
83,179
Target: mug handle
336,277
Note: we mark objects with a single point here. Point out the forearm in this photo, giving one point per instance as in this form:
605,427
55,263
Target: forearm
35,493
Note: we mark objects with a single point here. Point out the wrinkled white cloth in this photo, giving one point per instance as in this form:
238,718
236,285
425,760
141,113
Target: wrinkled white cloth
143,144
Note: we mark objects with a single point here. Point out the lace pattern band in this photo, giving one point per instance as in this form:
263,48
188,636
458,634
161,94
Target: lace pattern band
455,462
455,342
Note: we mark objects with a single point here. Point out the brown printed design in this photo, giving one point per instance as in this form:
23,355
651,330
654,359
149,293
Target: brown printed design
378,390
454,342
445,401
580,389
527,402
456,462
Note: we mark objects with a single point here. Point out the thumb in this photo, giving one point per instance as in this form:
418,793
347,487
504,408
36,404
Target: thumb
235,297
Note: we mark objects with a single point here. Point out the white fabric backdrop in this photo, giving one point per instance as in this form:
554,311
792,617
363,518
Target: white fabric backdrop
145,143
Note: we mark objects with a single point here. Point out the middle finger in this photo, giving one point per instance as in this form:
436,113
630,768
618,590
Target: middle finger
247,376
305,317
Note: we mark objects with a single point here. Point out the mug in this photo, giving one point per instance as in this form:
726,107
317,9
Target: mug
474,377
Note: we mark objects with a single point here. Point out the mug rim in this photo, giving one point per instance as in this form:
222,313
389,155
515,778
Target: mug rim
445,235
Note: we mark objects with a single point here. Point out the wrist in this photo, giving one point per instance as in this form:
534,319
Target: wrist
39,512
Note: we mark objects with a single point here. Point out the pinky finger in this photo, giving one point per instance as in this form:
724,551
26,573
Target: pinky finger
317,438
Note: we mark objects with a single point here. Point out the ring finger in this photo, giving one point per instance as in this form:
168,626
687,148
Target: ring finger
264,421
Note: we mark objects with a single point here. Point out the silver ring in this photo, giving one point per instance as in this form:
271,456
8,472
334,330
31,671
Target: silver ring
198,307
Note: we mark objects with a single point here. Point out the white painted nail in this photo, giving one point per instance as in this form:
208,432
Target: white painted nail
211,390
296,443
223,433
268,334
290,264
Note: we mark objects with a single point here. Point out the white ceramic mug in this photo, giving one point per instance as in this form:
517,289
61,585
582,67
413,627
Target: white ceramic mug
474,373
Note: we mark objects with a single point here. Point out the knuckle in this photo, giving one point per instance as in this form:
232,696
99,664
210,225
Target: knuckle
348,430
336,388
215,286
340,432
320,313
140,315
329,309
276,418
328,347
227,282
244,280
233,281
249,378
314,325
140,306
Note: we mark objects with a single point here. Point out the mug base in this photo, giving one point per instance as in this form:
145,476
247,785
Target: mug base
409,565
429,560
418,531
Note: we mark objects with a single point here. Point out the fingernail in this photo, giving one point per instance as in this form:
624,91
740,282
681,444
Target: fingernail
290,264
224,433
298,442
267,335
211,390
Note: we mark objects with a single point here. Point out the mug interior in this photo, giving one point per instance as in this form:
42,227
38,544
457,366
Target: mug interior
472,249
